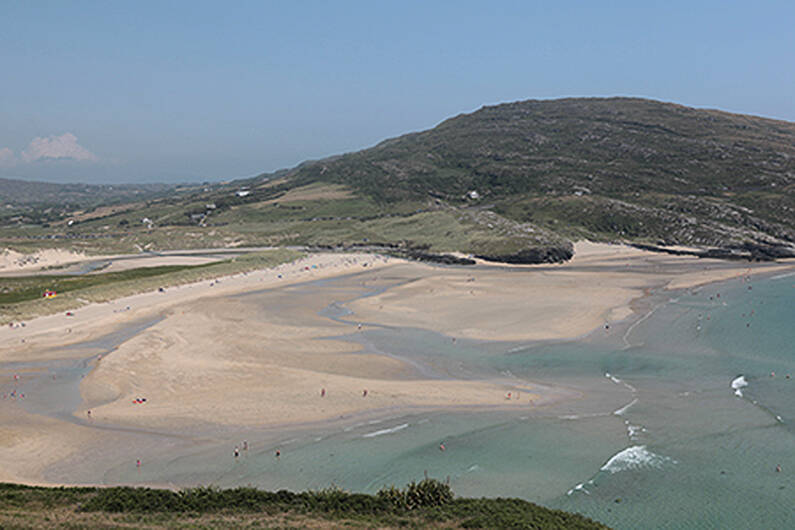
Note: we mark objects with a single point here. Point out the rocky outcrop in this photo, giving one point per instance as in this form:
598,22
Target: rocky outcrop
529,256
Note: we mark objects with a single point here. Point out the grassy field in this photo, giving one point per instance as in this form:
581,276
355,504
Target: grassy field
21,296
317,214
427,504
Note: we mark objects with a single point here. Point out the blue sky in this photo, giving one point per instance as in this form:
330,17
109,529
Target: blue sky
182,91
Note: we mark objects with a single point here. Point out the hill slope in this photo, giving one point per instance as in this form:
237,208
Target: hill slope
47,201
612,168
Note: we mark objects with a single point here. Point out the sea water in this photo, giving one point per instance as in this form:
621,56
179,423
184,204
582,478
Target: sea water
677,420
711,422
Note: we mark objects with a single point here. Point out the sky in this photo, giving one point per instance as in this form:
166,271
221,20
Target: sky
170,91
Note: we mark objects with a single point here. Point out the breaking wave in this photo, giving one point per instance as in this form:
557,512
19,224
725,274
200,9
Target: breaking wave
579,487
635,457
385,431
626,407
738,384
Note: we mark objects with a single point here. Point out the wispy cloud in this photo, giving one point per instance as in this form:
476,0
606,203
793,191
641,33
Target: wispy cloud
64,147
7,157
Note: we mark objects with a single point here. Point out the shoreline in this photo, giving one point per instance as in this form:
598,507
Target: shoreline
194,303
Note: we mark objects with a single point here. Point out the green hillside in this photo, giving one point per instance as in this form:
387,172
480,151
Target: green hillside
614,168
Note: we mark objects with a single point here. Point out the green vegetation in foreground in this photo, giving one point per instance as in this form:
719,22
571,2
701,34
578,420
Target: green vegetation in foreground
21,296
429,503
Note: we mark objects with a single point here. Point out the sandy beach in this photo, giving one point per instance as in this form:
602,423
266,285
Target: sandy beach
217,359
544,302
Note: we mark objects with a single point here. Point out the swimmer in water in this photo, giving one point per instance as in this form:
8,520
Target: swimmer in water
278,453
442,447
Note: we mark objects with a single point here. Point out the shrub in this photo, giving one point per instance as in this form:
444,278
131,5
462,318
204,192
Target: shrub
427,493
393,496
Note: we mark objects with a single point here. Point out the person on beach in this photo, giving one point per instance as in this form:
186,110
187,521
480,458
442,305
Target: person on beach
322,392
364,393
88,413
245,445
138,463
237,452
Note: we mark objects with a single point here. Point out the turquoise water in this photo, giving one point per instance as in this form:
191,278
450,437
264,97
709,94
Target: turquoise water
659,438
713,453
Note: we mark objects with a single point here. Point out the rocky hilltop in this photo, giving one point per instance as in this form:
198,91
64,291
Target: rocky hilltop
606,168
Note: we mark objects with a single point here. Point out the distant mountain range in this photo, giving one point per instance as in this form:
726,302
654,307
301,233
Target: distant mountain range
36,192
519,181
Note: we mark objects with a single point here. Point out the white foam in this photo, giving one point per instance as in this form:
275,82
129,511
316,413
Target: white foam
613,378
739,383
633,458
626,407
578,487
782,276
385,431
473,467
633,430
581,416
